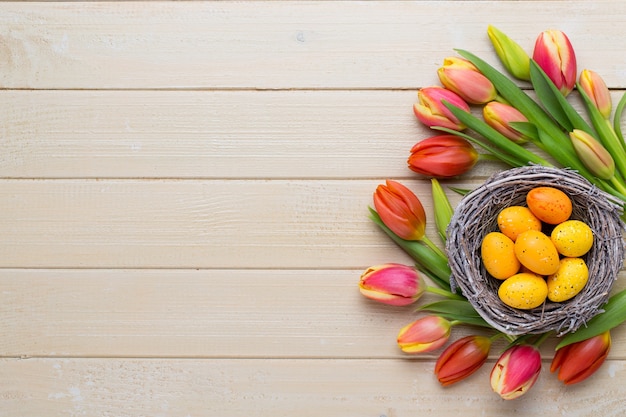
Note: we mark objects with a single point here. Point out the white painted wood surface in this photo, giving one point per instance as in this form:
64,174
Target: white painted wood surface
183,198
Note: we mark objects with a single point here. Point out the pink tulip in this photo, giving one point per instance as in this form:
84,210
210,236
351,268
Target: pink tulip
500,116
594,86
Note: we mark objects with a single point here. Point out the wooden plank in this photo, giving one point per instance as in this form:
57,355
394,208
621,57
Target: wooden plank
208,314
194,224
280,44
190,134
390,388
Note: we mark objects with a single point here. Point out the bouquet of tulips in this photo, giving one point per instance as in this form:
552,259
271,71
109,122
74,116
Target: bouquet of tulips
513,127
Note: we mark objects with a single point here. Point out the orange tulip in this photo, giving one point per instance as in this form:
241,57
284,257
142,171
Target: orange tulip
400,210
442,156
578,361
462,77
462,358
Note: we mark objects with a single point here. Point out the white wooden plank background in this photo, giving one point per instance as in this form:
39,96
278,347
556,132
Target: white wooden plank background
184,191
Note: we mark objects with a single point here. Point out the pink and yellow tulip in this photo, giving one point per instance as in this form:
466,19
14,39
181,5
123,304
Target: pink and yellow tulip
516,371
462,77
500,116
424,335
431,111
595,87
555,56
393,284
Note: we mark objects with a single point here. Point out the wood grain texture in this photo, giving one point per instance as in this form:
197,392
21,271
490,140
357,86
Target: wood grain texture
183,205
270,45
391,388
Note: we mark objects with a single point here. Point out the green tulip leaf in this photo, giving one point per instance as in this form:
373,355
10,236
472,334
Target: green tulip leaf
614,314
544,88
458,310
617,117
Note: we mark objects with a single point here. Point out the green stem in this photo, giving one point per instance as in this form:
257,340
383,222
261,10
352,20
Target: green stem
434,247
618,185
444,293
541,339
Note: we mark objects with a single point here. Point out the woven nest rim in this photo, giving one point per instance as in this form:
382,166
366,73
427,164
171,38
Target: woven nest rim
476,215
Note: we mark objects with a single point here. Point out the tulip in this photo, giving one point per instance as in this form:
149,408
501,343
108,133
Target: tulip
431,111
424,335
462,77
596,89
555,56
516,371
595,156
400,210
500,116
442,156
579,360
511,54
462,358
392,284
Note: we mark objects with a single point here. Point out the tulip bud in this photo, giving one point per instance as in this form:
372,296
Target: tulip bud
555,56
596,89
400,210
392,284
511,54
516,371
579,360
500,116
462,358
591,152
462,77
431,111
424,335
442,156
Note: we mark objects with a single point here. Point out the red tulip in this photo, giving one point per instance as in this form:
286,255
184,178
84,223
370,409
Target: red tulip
462,358
579,360
424,335
555,56
431,111
516,371
442,156
400,210
393,284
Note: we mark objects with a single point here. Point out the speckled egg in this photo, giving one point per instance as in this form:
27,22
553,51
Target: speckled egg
514,220
498,255
523,291
572,238
569,280
550,205
536,252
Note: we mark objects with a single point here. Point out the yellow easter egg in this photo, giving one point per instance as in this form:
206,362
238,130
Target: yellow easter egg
572,238
498,255
548,204
569,280
523,291
514,220
536,252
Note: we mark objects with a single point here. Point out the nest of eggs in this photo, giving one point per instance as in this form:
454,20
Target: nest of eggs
476,215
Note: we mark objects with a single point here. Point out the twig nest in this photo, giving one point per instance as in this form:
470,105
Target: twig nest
476,216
